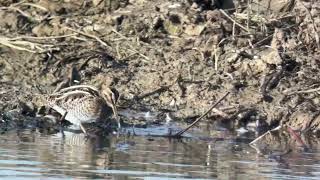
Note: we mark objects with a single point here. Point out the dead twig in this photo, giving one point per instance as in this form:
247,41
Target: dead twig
201,117
131,48
7,43
296,137
314,27
235,22
140,54
200,52
27,15
160,89
28,46
303,91
216,58
35,5
24,45
121,35
219,112
88,35
43,38
268,132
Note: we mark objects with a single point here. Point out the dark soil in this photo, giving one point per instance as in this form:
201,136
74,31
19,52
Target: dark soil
176,57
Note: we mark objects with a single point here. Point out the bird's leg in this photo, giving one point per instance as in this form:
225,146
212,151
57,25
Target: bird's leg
83,129
86,135
133,132
60,121
63,116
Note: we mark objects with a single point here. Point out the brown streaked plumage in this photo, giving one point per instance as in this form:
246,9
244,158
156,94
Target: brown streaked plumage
84,104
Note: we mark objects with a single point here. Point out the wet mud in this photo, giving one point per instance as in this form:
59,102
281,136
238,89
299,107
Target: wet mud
172,58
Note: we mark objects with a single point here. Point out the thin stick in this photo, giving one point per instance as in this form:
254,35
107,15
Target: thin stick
8,44
261,41
201,53
315,31
202,116
235,22
305,91
19,11
88,35
248,14
121,35
216,59
219,112
35,5
40,38
260,137
296,137
132,49
140,54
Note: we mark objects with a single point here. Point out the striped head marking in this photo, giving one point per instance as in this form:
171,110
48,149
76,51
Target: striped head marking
111,96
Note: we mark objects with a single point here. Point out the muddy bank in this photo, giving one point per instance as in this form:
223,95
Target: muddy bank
175,57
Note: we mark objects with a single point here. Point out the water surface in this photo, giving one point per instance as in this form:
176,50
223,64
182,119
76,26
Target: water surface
222,155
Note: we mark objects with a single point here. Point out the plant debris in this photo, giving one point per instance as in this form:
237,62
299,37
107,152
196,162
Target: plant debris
175,56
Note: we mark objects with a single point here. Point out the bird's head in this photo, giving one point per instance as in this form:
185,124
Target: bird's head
111,96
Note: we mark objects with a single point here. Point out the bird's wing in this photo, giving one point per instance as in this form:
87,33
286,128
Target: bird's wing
58,99
83,88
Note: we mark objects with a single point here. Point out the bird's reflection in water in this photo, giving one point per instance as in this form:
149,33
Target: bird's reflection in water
79,153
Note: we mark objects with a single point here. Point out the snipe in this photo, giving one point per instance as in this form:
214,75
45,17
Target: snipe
84,104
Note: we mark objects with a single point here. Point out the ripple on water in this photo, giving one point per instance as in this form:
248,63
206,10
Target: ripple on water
73,156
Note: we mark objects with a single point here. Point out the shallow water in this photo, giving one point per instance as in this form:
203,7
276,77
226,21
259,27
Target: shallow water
30,154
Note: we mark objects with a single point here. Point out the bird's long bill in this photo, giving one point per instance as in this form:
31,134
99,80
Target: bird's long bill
116,115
